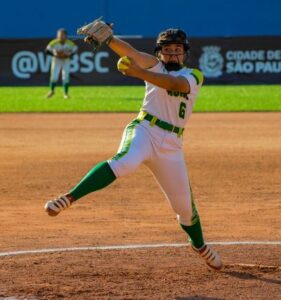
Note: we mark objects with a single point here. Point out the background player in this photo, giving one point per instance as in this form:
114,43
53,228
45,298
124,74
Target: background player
155,136
61,49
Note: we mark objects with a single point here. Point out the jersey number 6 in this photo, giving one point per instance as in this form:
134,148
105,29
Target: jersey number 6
182,110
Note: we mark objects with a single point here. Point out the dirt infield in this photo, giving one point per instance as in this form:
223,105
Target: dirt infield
234,163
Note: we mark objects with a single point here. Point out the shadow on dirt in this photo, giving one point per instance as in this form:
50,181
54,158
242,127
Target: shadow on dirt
248,276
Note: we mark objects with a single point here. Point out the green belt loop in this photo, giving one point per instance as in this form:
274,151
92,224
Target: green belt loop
142,114
180,132
153,121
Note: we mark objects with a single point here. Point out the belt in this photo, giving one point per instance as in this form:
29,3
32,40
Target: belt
143,115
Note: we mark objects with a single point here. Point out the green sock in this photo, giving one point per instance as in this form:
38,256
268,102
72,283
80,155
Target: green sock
99,177
65,88
195,234
52,86
194,231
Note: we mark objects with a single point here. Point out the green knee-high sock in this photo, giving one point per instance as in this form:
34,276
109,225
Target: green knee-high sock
99,177
194,231
52,86
65,88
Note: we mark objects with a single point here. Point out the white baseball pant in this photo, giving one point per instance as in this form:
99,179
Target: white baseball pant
57,66
161,151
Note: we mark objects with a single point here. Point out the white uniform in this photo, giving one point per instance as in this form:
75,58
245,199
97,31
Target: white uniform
161,150
167,105
59,64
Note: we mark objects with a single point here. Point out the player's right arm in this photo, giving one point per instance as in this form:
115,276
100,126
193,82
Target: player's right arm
99,32
122,48
50,48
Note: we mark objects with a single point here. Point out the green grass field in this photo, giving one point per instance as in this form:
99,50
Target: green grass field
129,99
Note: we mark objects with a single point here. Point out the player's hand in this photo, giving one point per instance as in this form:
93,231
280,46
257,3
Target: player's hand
97,33
60,54
64,55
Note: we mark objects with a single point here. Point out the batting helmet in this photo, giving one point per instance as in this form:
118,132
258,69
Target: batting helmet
172,36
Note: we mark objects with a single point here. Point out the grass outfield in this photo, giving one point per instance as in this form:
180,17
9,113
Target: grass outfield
129,99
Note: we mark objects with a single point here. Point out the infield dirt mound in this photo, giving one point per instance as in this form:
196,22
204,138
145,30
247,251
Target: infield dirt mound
234,163
143,274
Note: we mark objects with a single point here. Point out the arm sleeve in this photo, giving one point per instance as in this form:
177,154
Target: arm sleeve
49,49
195,80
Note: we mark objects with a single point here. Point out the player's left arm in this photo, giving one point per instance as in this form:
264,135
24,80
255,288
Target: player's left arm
73,49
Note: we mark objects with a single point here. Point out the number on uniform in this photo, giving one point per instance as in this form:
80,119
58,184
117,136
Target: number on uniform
182,110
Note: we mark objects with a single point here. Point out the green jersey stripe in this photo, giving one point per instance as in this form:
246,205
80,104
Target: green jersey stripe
197,75
196,78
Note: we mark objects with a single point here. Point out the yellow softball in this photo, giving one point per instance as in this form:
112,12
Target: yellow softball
123,63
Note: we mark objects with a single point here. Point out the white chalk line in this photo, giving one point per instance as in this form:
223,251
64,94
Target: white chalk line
255,266
133,246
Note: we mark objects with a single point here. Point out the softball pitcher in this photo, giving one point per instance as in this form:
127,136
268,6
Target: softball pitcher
62,50
155,136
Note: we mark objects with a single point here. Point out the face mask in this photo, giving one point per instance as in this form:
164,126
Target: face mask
172,66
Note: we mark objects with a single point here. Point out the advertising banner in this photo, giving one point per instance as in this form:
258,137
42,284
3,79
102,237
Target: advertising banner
243,60
239,60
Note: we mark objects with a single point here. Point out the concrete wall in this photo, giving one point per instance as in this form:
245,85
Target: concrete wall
33,18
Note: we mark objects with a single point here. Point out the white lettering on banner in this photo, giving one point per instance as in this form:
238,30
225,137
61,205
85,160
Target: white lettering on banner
98,65
212,62
268,67
274,54
44,62
86,59
25,63
245,55
74,64
239,67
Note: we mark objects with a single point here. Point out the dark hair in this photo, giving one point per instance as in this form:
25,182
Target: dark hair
62,30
